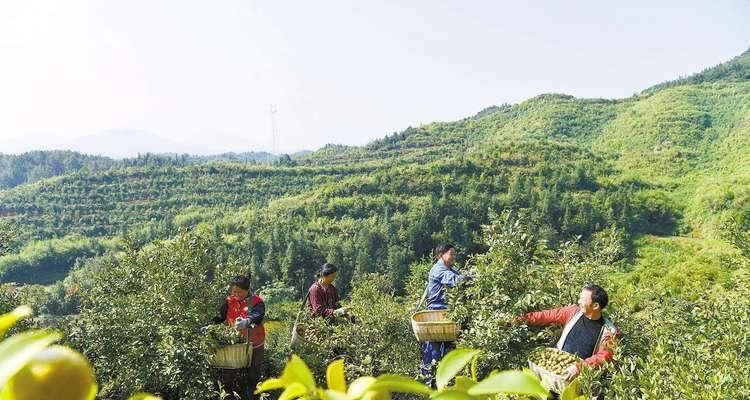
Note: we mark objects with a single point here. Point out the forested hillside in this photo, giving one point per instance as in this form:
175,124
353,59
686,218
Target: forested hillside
648,195
33,166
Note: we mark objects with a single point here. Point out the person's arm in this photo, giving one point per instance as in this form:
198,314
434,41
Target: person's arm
257,314
316,303
450,278
221,315
604,354
548,317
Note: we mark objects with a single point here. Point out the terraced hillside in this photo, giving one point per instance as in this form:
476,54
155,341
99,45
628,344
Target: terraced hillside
675,157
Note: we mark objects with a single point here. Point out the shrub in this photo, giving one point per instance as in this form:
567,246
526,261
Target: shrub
379,342
139,320
521,273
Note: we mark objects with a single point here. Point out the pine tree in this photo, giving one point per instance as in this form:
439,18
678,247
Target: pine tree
271,267
293,266
345,271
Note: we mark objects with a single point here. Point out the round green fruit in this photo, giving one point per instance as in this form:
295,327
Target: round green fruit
58,373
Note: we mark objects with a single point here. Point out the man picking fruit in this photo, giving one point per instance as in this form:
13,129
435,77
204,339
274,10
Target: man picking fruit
586,333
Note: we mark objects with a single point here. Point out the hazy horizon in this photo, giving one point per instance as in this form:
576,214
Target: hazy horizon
185,77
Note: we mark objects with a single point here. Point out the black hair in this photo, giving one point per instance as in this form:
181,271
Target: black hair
327,269
241,281
598,295
443,248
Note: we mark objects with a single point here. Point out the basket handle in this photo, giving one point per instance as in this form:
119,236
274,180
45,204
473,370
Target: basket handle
419,304
301,308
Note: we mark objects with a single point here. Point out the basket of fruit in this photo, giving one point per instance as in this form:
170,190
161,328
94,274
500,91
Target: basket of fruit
231,350
433,326
549,364
298,333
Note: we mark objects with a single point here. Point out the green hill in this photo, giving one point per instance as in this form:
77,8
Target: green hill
683,143
737,70
649,196
33,166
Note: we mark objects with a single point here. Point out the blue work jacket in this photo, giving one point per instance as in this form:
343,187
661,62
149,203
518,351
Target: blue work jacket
439,277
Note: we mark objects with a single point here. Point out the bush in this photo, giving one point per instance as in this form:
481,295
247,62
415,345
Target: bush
685,349
138,322
520,273
381,340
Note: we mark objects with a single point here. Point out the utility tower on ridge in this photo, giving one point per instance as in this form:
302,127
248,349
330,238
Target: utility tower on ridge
274,110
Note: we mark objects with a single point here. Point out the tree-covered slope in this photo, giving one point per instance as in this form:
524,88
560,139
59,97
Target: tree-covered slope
119,200
737,70
540,198
33,166
685,145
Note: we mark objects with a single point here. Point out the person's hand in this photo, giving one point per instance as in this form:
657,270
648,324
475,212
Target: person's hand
510,320
340,312
572,372
242,323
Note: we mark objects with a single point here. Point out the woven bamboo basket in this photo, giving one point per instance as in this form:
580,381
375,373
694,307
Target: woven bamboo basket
298,334
433,326
551,381
233,356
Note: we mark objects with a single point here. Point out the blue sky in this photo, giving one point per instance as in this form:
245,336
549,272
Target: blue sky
202,75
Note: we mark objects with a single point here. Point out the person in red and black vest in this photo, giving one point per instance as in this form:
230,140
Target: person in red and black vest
586,332
244,311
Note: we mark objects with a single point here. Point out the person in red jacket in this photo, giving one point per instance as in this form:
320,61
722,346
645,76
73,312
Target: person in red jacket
586,333
245,311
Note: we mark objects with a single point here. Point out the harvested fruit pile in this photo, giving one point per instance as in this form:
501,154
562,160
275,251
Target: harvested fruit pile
553,360
222,335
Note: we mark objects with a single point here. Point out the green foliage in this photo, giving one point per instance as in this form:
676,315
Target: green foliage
7,238
581,187
298,382
684,313
382,325
26,352
521,273
686,349
138,321
737,69
48,261
221,335
369,219
34,166
737,237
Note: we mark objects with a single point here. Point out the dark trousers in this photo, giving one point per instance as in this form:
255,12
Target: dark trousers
432,353
241,383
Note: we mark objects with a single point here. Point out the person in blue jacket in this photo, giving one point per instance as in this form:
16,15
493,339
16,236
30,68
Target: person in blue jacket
441,275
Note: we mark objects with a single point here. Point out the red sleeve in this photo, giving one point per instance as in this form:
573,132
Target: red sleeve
548,317
316,303
604,354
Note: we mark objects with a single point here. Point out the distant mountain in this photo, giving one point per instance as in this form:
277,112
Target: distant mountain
124,144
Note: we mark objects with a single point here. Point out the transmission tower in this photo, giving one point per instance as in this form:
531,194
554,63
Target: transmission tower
274,110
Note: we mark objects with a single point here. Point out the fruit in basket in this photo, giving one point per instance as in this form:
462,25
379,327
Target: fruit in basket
222,335
553,360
